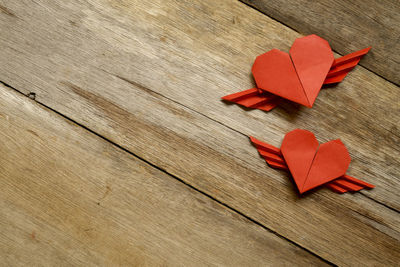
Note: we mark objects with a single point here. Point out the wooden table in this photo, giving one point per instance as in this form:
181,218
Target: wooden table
116,149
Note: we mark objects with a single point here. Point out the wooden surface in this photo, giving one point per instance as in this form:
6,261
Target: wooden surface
74,198
149,76
348,25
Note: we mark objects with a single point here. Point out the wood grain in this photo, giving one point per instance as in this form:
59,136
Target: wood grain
348,26
71,198
149,77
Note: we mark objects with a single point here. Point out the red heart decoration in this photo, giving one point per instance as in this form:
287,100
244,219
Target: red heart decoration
298,76
274,72
312,165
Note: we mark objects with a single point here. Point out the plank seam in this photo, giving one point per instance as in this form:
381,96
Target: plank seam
170,99
284,24
381,203
170,174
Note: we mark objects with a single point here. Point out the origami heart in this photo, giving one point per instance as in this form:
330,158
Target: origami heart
297,76
311,164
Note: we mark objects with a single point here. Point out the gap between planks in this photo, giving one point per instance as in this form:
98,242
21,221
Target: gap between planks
30,94
293,29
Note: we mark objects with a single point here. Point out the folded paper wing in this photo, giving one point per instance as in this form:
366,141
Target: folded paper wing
273,156
343,65
297,76
252,98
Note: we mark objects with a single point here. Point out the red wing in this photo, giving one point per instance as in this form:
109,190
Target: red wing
343,65
253,98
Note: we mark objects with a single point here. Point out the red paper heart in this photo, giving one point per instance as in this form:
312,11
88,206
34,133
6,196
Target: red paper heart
298,76
274,72
312,57
310,165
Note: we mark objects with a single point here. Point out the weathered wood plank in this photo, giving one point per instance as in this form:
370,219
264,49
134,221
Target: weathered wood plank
108,65
165,68
69,197
348,25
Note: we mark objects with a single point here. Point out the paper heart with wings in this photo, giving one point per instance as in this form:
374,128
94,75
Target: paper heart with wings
297,76
311,164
